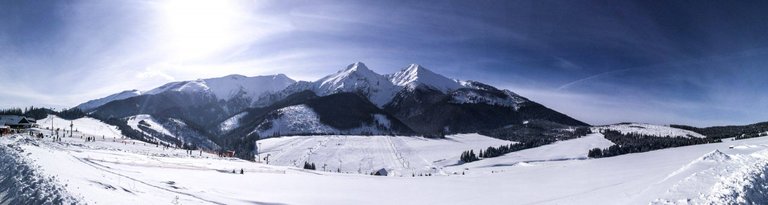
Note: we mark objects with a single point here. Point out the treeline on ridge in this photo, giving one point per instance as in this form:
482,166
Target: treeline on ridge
634,143
736,131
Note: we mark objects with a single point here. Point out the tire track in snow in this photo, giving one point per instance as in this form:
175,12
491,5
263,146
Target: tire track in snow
106,169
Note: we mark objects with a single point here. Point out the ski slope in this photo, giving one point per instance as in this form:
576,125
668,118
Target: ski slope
401,156
129,172
83,126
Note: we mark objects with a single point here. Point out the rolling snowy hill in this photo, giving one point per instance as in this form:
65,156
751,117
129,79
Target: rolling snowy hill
649,129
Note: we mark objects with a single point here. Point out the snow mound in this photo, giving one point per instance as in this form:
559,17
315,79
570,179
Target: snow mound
716,156
725,179
650,129
22,183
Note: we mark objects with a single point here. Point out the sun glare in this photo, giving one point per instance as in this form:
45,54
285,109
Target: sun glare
195,28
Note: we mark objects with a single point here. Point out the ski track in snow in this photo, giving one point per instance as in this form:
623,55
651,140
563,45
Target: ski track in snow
399,155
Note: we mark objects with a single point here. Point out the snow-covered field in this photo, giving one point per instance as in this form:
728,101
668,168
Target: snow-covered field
129,172
401,156
559,151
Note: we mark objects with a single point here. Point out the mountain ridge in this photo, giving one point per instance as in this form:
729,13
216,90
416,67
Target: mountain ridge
233,109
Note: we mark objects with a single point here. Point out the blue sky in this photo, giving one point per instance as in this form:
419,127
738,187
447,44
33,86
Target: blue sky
687,62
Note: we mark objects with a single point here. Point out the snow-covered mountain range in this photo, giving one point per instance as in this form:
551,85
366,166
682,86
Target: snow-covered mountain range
354,100
224,88
114,97
229,87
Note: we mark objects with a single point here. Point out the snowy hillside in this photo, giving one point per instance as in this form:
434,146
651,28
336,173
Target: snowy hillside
101,101
649,129
485,94
294,120
401,156
83,126
415,75
170,131
231,123
149,122
301,119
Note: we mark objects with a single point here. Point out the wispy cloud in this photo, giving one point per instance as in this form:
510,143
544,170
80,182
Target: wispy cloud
601,61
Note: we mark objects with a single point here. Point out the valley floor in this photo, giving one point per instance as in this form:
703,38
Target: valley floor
117,171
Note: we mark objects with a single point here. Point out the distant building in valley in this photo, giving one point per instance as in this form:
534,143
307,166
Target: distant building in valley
17,122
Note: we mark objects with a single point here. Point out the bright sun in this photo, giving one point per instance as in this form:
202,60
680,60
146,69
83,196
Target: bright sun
195,28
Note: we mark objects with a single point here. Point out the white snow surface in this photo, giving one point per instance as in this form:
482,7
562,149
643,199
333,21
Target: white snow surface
649,129
84,126
400,156
102,101
415,75
228,87
121,172
574,149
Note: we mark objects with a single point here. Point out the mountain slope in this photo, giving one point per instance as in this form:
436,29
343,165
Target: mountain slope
472,108
357,78
234,110
342,113
233,92
228,87
415,75
92,104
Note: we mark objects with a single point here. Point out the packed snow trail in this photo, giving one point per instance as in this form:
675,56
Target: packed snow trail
22,183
